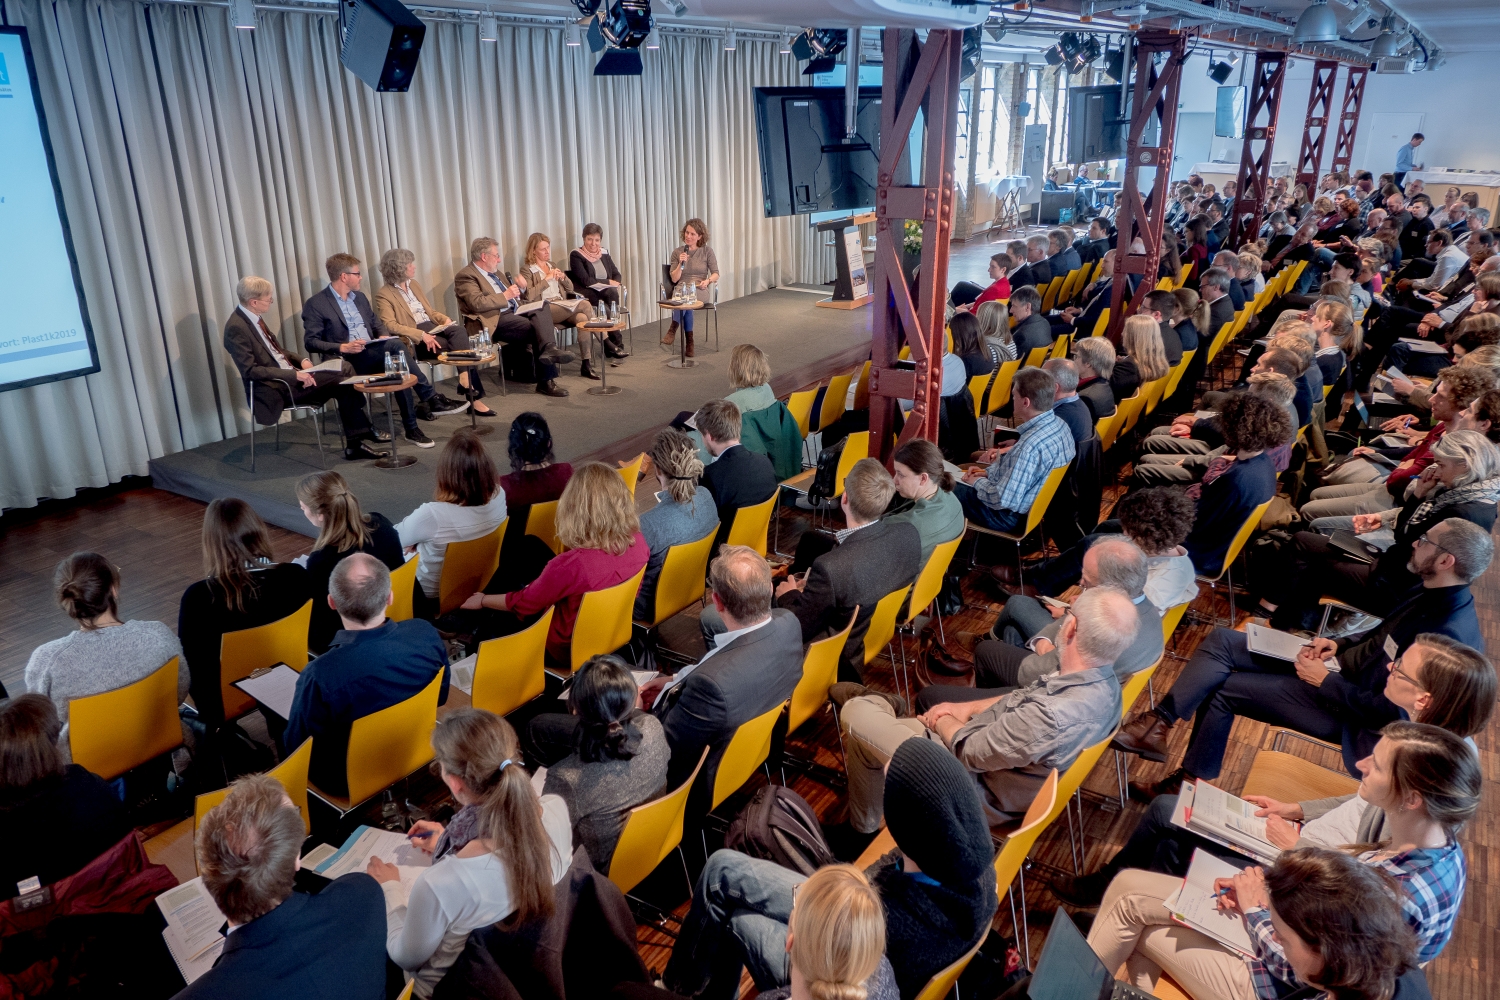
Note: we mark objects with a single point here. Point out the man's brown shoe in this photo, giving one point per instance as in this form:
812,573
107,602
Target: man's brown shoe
1146,735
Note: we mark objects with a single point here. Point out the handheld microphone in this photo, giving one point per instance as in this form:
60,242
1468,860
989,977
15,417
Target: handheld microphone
515,303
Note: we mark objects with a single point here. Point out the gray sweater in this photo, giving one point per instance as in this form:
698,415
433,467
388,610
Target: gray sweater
92,662
600,794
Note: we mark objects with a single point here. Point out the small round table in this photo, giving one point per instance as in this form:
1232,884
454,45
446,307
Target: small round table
682,360
598,335
471,393
395,460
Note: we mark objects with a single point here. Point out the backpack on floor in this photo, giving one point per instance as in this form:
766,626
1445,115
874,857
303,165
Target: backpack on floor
778,825
828,469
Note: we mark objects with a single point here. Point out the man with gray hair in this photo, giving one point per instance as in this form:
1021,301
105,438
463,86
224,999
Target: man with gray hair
1008,741
373,663
1229,261
1065,402
1036,257
1095,357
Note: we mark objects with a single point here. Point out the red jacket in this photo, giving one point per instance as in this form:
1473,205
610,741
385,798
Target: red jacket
564,582
999,290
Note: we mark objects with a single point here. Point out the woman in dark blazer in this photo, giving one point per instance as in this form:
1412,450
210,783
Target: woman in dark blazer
591,265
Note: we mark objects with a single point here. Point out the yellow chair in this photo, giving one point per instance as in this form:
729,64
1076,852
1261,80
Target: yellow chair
248,650
820,671
1037,356
1274,772
752,524
1049,297
1164,285
115,731
1067,791
680,583
800,406
1033,516
468,566
1108,428
834,398
1000,390
1174,377
942,984
1156,389
977,385
511,670
603,624
1062,345
747,750
652,831
631,471
882,628
405,994
386,746
929,584
856,447
1170,620
1182,276
403,589
1131,408
1102,323
1236,545
862,388
1011,856
1129,694
542,522
291,772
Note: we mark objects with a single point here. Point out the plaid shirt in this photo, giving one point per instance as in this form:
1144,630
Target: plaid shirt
1016,477
1434,882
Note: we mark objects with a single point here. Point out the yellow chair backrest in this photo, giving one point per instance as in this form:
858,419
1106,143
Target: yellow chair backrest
1164,285
1102,323
947,340
1170,620
1131,406
940,985
403,584
387,745
1037,356
291,772
1049,297
1174,377
1074,776
930,580
603,624
1327,389
862,389
680,583
820,671
1098,270
834,398
747,750
631,471
1274,771
1155,389
856,447
1108,428
883,622
114,731
1061,344
1135,684
1043,498
1000,391
752,524
1241,537
468,566
246,651
652,831
511,670
976,392
405,993
799,404
904,353
1182,276
1070,285
541,521
1012,853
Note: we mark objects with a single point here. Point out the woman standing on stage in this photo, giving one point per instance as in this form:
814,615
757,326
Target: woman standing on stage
591,265
693,262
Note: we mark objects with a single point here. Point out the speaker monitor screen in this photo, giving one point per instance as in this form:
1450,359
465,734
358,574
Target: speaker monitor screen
46,334
807,163
382,40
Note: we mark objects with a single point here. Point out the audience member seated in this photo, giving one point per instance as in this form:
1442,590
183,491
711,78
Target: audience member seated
488,299
937,889
873,557
750,375
343,529
994,327
684,511
1081,321
280,376
602,546
737,477
467,503
74,816
504,851
402,306
1428,781
591,265
978,357
373,663
1181,453
840,949
1032,330
1020,269
1229,262
1144,359
1463,482
1037,248
105,653
329,946
1007,742
244,587
1346,706
926,501
1095,358
1238,481
1000,496
1062,259
1066,403
967,296
1437,682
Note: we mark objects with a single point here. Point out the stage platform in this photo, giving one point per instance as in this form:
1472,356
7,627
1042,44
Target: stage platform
805,344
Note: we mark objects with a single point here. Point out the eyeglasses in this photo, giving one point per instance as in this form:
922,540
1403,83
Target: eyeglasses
1424,539
1408,678
353,274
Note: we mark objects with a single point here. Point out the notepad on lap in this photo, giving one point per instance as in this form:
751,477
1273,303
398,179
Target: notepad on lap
367,842
1271,642
1423,346
193,928
1193,905
273,689
1225,819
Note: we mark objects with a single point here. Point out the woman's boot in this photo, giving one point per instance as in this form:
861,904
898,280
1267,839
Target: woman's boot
670,335
688,344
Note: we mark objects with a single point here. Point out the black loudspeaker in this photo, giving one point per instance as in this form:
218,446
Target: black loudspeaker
382,40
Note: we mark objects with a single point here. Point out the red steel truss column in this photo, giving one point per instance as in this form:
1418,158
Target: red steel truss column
1315,128
1260,127
917,75
1354,96
1154,96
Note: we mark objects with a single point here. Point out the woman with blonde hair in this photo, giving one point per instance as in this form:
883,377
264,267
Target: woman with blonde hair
1142,342
541,280
343,529
602,546
994,327
835,940
692,264
496,861
750,374
684,510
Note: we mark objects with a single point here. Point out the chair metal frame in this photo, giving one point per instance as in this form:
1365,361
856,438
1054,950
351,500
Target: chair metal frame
1034,518
314,411
1226,571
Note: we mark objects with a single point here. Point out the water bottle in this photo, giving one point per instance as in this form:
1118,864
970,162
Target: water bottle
401,360
390,365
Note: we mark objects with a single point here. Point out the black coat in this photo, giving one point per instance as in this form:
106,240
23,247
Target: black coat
1099,397
738,478
1032,332
1077,415
1391,576
271,392
581,271
1025,276
384,544
1221,311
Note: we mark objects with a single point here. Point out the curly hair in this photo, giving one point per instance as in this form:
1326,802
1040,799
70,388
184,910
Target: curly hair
393,265
675,456
1254,423
1465,382
1159,519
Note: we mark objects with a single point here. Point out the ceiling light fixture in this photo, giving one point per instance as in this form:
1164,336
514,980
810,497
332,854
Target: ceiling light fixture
242,14
572,37
489,31
1318,23
729,40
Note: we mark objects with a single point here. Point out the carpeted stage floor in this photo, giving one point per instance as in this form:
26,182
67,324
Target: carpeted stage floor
805,344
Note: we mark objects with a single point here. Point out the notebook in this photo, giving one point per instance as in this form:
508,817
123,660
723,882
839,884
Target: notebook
1225,819
194,931
1193,905
274,688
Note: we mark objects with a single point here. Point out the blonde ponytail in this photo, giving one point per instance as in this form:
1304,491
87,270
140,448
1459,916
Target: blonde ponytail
838,933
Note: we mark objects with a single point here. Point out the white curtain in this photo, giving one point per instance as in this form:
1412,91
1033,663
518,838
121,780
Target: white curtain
191,154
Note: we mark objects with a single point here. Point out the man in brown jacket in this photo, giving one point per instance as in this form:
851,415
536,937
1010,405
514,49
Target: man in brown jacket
402,306
486,297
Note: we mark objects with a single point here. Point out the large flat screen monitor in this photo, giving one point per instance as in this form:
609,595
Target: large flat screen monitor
44,327
807,162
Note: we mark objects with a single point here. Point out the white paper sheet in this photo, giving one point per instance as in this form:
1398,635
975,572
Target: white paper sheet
461,673
1271,642
331,365
1422,346
274,689
367,842
1194,904
192,932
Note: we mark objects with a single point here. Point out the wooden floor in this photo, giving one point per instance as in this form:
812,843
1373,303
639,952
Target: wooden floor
153,537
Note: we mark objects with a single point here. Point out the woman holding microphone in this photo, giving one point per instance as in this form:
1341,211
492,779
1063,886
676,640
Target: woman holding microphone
693,262
591,265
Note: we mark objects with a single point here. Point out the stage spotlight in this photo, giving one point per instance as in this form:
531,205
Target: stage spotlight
627,24
619,62
242,14
572,37
1317,23
587,7
820,43
381,43
1090,51
1114,64
1054,55
1218,72
729,40
677,7
973,39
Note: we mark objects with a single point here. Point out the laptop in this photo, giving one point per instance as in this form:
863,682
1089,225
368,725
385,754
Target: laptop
1069,969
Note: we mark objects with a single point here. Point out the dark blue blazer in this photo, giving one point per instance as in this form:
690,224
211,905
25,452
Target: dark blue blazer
738,478
1064,261
323,326
325,947
1079,418
1022,277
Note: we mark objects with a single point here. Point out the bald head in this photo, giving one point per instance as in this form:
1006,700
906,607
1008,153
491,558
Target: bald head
360,590
1116,562
741,583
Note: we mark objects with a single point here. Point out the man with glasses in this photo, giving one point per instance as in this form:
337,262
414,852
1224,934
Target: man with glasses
1335,696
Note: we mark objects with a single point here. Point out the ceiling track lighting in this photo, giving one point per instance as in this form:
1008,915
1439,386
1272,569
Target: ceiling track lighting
729,40
572,36
242,14
489,30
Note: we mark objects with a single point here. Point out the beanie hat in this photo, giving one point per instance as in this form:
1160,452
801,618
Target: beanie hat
933,811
